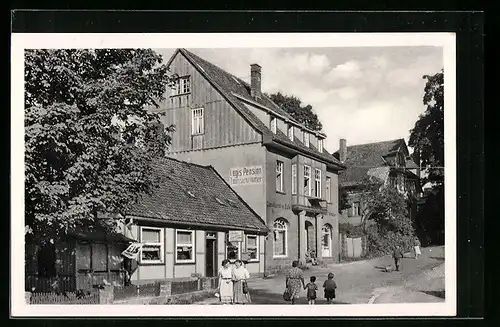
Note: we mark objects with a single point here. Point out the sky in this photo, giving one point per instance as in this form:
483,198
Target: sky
361,94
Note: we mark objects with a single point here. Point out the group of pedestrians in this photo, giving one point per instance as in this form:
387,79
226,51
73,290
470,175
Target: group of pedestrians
397,253
295,283
233,287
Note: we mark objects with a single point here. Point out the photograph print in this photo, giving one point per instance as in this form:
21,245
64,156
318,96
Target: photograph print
237,177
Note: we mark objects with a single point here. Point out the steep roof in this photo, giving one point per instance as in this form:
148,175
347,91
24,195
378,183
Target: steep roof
363,159
195,195
235,89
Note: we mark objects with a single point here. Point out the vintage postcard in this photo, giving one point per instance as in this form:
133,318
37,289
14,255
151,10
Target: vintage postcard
269,175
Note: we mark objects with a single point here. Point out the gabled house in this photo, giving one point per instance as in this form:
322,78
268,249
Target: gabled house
277,165
182,228
387,163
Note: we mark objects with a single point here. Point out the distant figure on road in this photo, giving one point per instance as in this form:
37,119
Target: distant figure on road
294,281
311,288
397,255
417,247
330,287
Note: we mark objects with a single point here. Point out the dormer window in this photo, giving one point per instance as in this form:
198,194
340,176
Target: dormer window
320,145
306,139
274,124
182,86
290,133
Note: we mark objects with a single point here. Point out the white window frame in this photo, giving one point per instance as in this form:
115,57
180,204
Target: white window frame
197,121
328,190
317,183
161,244
279,170
192,246
180,85
274,124
294,178
285,229
290,133
256,247
328,232
320,145
226,245
308,176
306,139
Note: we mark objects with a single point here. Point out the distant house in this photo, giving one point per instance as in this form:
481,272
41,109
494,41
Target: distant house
387,162
182,229
276,164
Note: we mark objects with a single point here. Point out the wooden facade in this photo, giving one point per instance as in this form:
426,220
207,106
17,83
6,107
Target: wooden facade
222,125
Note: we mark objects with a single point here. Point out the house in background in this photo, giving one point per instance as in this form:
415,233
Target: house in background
388,162
277,165
183,228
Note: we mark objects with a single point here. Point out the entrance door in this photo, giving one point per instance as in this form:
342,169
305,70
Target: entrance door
211,254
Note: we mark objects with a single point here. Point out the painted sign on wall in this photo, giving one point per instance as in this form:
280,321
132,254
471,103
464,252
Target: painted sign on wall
245,175
236,236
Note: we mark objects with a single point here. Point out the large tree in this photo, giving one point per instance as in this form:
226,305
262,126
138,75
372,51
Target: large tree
89,141
427,140
427,136
293,105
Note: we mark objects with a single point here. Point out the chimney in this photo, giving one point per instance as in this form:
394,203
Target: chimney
255,77
342,150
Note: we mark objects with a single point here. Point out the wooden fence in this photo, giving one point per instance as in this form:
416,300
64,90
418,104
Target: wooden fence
80,297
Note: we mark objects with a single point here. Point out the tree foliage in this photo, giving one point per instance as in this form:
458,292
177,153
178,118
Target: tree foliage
427,136
385,217
89,141
293,105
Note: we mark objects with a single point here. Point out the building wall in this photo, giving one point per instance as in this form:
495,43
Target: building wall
223,125
170,269
227,158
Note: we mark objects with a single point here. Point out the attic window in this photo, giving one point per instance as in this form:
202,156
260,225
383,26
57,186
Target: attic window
220,201
232,203
182,86
306,139
290,132
274,124
320,145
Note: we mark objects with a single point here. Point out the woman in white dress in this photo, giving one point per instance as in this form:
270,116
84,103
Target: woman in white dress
226,277
417,247
241,275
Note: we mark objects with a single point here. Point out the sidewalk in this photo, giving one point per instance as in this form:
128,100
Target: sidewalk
356,281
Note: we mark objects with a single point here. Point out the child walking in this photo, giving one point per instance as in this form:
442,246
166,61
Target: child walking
311,290
329,286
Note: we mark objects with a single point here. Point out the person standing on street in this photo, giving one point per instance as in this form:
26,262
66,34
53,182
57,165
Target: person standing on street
294,281
311,288
226,277
397,255
417,247
330,286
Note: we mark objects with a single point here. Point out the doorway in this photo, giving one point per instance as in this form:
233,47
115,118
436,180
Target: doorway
210,254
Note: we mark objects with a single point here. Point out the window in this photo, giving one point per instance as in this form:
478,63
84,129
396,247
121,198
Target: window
326,240
317,183
306,139
355,210
274,124
328,191
233,251
279,176
252,247
320,145
46,260
153,248
280,238
294,179
307,180
197,122
290,133
184,246
182,86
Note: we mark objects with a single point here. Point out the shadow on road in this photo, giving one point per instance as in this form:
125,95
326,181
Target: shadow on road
439,294
264,297
437,258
